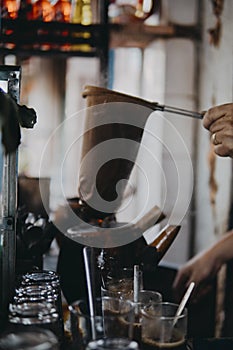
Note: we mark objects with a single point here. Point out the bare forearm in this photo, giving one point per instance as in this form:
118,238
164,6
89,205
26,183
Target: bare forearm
204,266
223,249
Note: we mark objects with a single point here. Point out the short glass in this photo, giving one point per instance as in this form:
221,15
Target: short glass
29,340
145,299
113,319
112,344
27,315
161,329
44,279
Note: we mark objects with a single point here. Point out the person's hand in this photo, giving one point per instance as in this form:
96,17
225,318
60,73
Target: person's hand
201,269
219,121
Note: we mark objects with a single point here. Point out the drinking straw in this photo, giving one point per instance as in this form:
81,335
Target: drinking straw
180,309
87,254
183,303
136,286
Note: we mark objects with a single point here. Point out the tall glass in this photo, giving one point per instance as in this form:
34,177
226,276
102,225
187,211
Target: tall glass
113,318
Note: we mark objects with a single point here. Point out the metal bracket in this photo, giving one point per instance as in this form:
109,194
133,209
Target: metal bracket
7,223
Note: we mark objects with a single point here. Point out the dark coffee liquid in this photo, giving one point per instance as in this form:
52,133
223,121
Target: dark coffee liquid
137,332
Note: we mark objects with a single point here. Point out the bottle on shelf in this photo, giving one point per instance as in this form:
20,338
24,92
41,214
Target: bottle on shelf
62,9
76,11
62,13
81,13
86,12
139,13
126,11
43,10
9,9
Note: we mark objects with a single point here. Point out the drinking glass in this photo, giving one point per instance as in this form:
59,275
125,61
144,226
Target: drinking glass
146,298
24,316
113,318
34,281
29,340
162,329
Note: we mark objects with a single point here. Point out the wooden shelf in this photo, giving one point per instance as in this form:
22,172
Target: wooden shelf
141,35
47,38
55,38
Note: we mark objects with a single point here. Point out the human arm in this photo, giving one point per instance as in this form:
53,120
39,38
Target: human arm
219,121
203,267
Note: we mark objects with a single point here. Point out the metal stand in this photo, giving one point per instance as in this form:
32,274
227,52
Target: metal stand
11,76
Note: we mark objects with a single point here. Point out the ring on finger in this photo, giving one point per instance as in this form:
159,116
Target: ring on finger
214,139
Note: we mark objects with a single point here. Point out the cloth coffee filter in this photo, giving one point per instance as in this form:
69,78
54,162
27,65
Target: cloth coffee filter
114,126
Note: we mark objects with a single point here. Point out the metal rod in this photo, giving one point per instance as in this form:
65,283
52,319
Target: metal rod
11,75
87,254
179,111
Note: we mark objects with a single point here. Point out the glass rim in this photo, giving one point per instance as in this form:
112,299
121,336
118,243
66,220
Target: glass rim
116,292
40,277
33,320
150,291
149,316
119,272
74,311
123,295
37,290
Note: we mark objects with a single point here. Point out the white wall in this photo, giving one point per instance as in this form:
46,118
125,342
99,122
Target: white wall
216,87
180,91
41,91
142,74
54,90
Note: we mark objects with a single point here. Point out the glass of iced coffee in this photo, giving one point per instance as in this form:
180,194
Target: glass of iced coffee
146,298
162,329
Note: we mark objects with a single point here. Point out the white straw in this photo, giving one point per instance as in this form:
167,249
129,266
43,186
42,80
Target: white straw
183,302
136,287
136,283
